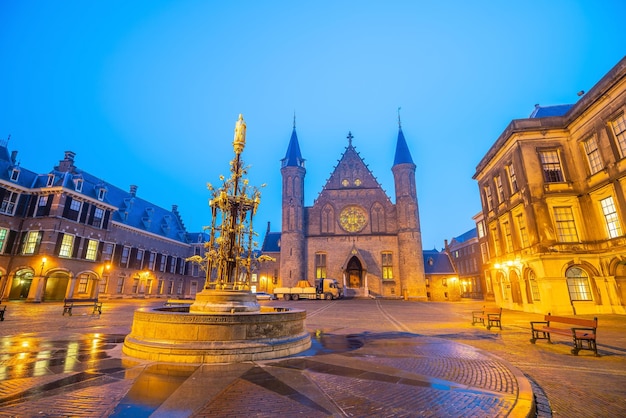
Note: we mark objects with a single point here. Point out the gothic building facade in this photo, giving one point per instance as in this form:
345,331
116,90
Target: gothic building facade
352,232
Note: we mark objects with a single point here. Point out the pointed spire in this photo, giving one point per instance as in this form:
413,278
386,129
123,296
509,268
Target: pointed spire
349,138
403,155
293,157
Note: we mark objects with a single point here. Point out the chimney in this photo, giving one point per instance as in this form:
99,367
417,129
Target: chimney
133,190
13,156
67,164
175,208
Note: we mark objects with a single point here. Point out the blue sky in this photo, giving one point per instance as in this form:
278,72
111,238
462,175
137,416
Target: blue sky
148,92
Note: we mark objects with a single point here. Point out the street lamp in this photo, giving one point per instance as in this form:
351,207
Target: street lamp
43,264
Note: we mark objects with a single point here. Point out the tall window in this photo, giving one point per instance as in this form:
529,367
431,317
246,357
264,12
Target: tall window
619,130
578,284
523,232
551,165
151,261
480,227
387,258
66,246
107,251
83,280
593,155
508,239
163,262
565,225
510,169
500,190
139,258
610,217
534,287
98,214
31,244
124,257
92,250
120,285
320,265
9,202
172,264
488,197
496,241
3,238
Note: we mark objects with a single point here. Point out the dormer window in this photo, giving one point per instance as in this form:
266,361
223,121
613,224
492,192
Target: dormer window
50,181
15,174
78,185
101,193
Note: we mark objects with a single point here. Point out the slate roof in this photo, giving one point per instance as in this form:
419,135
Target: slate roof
472,233
436,262
131,210
548,111
271,242
403,155
293,157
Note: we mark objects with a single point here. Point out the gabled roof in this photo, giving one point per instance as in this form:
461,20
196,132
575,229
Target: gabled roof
548,111
403,155
436,262
351,172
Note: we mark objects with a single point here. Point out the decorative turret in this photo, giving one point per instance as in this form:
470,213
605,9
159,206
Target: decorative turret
292,256
409,232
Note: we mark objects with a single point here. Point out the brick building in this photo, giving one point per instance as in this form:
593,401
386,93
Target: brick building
69,234
352,232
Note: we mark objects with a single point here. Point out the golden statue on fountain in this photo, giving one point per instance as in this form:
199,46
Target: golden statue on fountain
229,252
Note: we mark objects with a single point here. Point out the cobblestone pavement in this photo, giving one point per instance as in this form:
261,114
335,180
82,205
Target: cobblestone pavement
369,358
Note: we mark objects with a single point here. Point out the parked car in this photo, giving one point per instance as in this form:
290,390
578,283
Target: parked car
263,296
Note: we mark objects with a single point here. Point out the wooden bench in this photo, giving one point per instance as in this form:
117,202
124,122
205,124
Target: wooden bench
69,304
492,316
2,311
582,331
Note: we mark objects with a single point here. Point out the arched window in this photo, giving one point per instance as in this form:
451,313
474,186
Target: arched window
578,284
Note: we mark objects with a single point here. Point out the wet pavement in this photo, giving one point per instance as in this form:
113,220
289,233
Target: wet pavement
368,358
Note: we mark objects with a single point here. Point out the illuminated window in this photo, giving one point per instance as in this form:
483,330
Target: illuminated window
578,284
92,250
534,287
523,232
83,280
619,130
508,239
610,217
320,265
551,165
135,288
9,201
500,190
3,238
593,155
488,197
496,241
387,264
510,169
565,225
67,243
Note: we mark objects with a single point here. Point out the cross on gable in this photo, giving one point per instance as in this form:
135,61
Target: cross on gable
349,138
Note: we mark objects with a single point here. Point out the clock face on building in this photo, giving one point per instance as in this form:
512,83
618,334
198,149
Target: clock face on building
352,219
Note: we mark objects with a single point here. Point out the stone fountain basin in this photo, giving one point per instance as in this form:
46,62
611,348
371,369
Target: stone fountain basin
173,334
